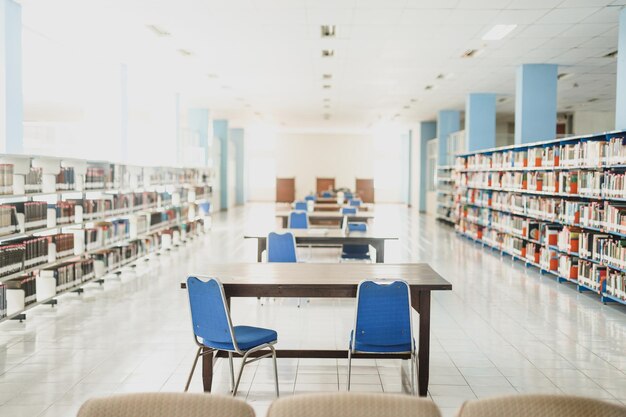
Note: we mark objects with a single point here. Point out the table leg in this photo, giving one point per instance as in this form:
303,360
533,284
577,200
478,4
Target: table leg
380,251
261,246
285,222
423,353
207,371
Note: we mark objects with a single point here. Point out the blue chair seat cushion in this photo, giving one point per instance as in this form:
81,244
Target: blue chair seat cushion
363,347
355,252
247,337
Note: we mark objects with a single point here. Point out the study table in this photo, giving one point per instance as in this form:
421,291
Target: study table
321,216
326,237
327,280
337,207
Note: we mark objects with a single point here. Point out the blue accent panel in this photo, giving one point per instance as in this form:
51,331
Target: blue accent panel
123,113
198,122
237,136
11,22
620,102
448,121
410,169
480,122
428,131
405,184
535,103
220,130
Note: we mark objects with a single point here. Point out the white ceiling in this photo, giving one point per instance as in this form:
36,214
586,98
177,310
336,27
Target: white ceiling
265,55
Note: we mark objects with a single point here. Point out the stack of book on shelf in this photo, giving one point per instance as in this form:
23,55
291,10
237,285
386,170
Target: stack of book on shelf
559,205
64,223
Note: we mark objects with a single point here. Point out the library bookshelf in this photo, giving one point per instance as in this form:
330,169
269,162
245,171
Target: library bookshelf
445,193
67,222
558,205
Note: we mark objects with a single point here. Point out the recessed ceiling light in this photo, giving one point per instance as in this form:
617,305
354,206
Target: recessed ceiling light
326,100
185,52
158,30
225,87
413,100
327,76
441,76
326,86
569,107
328,31
502,99
213,76
326,106
469,53
428,87
591,100
326,116
256,113
611,54
498,32
406,107
328,53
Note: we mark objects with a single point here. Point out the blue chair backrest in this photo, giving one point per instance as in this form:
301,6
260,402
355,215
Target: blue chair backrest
301,205
383,314
348,195
281,248
327,194
348,210
309,198
298,220
209,315
355,202
357,227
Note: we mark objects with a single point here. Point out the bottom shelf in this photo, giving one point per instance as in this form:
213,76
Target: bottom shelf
604,297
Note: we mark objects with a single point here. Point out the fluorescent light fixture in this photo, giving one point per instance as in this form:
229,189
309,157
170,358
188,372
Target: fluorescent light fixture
158,30
326,86
498,32
327,53
327,76
328,31
185,52
469,53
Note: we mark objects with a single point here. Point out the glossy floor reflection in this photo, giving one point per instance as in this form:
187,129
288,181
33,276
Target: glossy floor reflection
503,329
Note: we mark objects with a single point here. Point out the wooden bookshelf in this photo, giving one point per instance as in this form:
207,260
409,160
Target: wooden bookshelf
558,205
445,193
112,214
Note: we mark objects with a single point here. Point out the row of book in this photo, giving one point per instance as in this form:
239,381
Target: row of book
65,179
562,182
33,181
589,153
6,179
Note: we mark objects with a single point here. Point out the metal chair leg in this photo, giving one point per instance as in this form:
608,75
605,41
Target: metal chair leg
232,372
413,372
193,368
275,370
349,367
243,363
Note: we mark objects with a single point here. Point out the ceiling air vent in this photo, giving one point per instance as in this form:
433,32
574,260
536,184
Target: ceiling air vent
328,31
328,53
157,30
469,53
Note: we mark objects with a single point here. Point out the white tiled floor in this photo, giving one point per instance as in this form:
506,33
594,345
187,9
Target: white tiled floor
503,329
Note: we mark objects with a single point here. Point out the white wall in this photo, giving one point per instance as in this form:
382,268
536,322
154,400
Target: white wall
307,156
587,122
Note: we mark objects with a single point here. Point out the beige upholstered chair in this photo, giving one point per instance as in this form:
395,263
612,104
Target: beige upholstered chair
541,406
165,405
353,404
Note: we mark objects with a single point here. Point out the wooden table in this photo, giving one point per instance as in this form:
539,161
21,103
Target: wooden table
337,207
329,200
326,237
330,280
321,216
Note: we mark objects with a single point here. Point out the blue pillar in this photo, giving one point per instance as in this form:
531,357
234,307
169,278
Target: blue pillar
237,136
428,131
12,106
198,121
535,103
480,121
620,101
448,121
220,130
124,113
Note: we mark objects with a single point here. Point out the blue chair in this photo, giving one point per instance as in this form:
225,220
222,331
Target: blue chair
298,220
348,210
355,202
356,252
310,198
348,195
327,194
281,247
300,206
383,322
213,330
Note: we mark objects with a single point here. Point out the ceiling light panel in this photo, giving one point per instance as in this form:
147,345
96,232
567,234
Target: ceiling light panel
498,32
328,31
328,53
